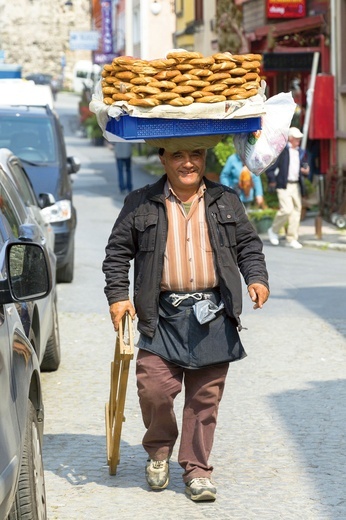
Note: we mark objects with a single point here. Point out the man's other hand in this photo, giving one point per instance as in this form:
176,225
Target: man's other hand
258,294
119,309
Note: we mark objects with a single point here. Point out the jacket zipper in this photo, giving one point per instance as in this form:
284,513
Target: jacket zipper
218,229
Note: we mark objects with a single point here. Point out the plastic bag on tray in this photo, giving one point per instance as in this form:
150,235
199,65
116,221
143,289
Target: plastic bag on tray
260,149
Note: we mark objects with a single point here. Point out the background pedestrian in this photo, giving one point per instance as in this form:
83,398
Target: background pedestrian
286,175
245,183
123,156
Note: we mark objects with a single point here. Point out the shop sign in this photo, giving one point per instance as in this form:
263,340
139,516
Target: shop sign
107,27
282,61
84,40
286,9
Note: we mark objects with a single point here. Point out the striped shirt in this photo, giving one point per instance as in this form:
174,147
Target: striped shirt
189,263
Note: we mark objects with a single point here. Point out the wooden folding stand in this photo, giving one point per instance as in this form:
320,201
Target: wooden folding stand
119,376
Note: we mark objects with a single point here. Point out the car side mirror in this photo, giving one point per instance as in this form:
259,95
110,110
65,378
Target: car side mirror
29,276
73,164
46,199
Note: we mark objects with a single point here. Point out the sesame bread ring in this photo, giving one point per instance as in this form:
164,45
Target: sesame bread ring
183,55
118,68
250,65
162,84
167,74
145,89
238,80
126,75
201,73
248,57
166,96
216,87
233,91
222,56
108,67
124,97
141,80
184,77
184,67
162,64
109,90
249,85
145,70
218,76
202,62
183,89
210,99
238,71
197,94
243,95
108,100
146,102
251,76
223,66
124,60
197,83
181,101
110,79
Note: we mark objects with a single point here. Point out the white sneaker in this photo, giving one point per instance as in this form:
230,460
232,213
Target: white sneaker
295,244
273,237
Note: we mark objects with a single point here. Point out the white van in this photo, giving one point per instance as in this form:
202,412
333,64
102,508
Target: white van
85,73
25,92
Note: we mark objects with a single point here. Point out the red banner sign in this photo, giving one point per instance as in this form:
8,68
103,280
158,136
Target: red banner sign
286,9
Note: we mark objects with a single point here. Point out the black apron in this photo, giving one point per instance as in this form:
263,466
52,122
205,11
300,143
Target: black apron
182,340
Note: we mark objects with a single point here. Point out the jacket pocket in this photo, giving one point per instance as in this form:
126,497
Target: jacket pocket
146,227
226,228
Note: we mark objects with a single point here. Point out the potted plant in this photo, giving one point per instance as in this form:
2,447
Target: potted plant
94,131
217,156
262,219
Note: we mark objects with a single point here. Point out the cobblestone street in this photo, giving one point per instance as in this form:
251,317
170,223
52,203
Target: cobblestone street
280,448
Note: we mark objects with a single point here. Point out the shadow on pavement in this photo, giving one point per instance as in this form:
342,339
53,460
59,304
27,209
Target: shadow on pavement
81,459
315,418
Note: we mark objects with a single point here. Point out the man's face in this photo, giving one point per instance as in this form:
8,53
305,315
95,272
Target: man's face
295,141
184,169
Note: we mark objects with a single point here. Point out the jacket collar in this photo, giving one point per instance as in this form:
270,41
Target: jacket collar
156,190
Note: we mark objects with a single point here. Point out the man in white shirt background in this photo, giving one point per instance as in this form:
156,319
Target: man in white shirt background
286,176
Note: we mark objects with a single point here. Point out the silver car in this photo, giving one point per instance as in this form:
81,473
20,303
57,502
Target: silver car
21,208
24,277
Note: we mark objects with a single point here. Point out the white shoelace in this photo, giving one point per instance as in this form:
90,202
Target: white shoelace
178,298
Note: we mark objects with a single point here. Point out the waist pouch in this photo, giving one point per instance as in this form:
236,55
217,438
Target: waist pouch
194,331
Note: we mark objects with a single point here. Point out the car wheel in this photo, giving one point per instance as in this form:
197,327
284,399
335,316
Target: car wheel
65,274
52,355
30,499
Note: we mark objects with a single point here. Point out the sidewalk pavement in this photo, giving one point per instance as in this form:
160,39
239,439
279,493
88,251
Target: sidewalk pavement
331,236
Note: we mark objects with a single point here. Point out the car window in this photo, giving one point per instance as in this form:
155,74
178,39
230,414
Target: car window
28,137
7,208
22,181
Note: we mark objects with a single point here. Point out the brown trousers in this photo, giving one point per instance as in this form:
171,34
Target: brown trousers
158,383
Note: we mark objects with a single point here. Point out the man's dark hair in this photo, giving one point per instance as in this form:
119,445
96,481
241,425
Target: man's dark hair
161,151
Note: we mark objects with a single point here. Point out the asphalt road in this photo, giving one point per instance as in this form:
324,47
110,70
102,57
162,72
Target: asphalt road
280,446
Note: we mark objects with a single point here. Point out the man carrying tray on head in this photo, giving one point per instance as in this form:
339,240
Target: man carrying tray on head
189,237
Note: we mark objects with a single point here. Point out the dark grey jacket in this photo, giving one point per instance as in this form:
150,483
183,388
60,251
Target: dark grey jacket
140,232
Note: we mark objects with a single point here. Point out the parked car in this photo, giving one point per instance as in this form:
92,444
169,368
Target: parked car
40,318
46,79
35,135
24,276
15,170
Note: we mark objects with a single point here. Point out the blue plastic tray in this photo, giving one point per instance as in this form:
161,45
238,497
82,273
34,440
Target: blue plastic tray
128,127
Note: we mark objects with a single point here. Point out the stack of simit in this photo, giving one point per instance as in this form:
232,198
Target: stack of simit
180,79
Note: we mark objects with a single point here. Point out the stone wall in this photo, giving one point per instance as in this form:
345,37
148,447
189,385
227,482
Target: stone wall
35,34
